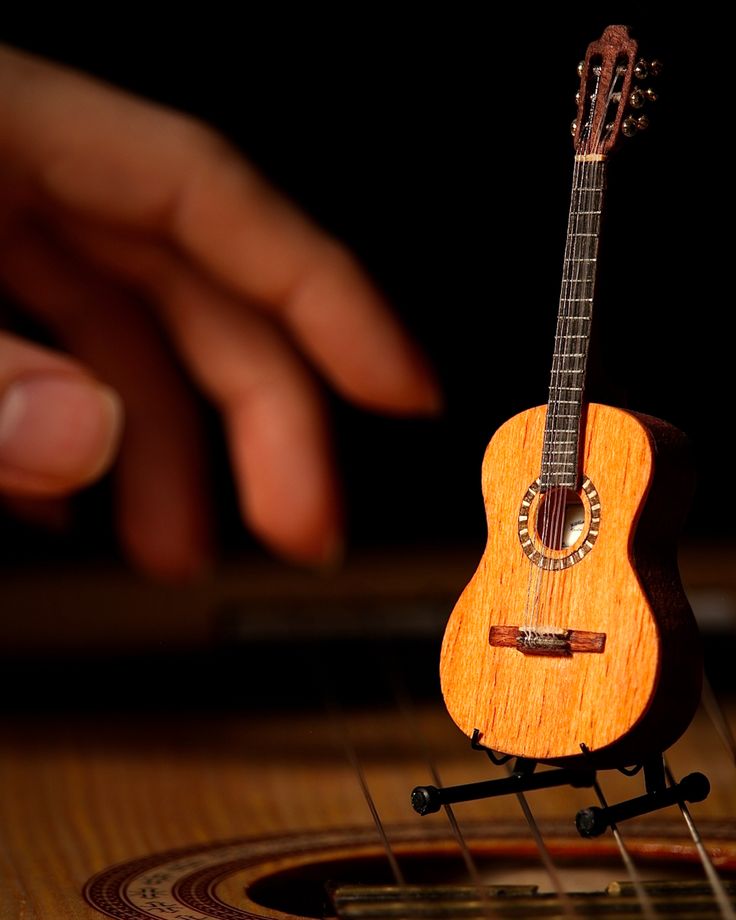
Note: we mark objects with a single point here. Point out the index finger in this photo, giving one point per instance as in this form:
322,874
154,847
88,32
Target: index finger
97,150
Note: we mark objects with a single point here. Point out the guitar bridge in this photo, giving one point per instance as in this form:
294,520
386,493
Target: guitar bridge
554,641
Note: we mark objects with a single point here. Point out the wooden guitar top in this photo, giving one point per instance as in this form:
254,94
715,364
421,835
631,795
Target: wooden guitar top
618,581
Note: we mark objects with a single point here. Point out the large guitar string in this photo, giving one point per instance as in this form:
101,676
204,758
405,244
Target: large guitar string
645,902
343,740
564,899
719,892
409,713
715,713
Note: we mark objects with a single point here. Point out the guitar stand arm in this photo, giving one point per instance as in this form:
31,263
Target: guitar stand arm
593,821
429,799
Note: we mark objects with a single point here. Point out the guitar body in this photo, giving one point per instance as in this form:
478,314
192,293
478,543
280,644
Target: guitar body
617,581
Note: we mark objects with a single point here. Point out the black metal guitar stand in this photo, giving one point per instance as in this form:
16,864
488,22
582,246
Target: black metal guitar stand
590,822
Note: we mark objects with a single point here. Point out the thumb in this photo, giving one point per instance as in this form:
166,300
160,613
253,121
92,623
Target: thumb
59,427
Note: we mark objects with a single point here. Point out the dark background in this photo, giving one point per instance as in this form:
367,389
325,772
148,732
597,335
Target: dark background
437,145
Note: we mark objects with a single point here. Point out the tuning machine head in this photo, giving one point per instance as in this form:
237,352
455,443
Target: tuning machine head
632,124
640,96
644,69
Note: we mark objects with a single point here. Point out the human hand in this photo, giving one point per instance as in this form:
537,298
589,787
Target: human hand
147,245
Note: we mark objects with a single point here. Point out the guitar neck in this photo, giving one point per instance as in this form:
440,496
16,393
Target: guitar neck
560,455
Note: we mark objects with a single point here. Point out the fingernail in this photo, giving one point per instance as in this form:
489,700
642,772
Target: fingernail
59,431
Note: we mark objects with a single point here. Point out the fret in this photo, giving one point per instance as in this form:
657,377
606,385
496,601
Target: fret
570,259
569,336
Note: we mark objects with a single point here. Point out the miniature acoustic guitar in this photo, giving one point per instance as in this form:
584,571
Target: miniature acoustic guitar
574,638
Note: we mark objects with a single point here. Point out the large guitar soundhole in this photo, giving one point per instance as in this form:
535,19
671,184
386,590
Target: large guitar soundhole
558,528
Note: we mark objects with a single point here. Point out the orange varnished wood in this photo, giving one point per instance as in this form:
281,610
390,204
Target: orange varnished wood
637,696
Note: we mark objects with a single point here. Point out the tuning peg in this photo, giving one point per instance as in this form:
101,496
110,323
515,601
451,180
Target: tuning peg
637,99
641,70
581,68
651,95
632,123
573,128
655,68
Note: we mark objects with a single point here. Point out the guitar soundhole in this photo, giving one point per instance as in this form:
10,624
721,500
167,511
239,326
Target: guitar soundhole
560,519
559,527
518,886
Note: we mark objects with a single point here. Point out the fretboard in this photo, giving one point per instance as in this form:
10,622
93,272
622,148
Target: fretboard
560,455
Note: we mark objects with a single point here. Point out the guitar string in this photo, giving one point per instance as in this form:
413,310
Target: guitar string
587,199
715,713
408,710
553,518
344,741
564,899
536,573
645,902
568,376
719,892
549,503
565,379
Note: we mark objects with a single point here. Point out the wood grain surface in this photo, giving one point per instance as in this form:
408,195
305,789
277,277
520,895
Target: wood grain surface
85,786
80,794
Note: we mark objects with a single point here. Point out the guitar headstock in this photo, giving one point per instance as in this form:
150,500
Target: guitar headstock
611,95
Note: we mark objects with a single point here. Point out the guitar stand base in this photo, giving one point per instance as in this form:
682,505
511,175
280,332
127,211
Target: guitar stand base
590,822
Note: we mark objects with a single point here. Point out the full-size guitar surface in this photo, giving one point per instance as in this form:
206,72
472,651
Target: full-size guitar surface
574,638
